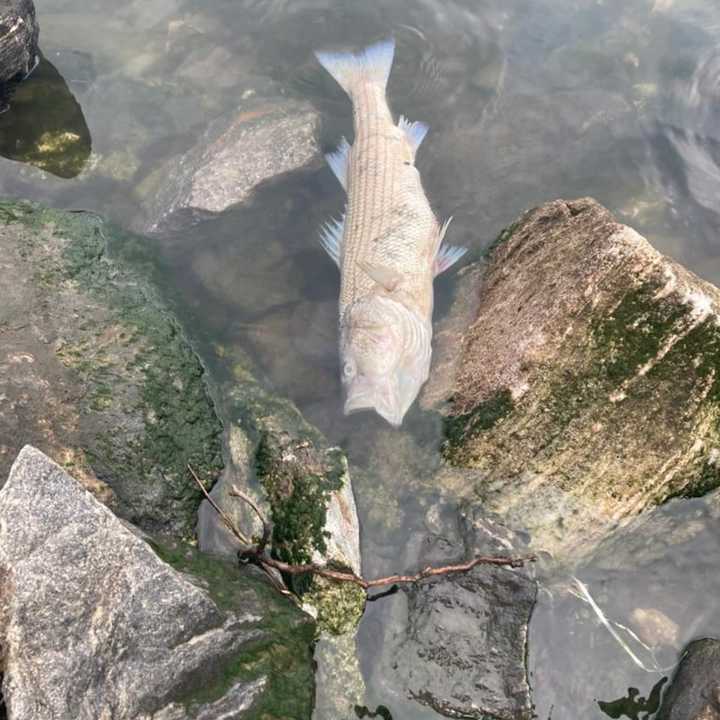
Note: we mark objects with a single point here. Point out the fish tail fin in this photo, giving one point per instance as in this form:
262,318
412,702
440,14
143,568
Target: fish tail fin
371,65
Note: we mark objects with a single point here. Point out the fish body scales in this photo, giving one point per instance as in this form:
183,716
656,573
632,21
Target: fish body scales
389,222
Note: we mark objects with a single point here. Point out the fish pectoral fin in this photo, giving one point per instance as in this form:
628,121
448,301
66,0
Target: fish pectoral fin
331,238
415,132
339,160
447,255
382,275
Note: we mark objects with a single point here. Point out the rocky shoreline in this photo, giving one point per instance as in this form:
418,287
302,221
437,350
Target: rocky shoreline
543,436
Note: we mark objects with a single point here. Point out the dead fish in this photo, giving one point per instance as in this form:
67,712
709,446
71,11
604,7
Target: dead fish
388,244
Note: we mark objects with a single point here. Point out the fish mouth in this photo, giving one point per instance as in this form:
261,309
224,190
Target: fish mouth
368,400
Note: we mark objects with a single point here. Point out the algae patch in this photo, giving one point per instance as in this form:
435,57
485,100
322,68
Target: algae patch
339,605
282,652
460,428
143,409
298,480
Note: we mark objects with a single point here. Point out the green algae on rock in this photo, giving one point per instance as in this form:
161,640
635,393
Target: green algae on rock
97,372
282,650
46,127
305,483
585,386
298,482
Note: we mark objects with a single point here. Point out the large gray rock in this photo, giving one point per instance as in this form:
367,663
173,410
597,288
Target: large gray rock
96,372
459,643
236,153
695,690
560,347
95,625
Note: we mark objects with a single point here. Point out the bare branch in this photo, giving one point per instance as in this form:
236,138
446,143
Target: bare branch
236,492
258,555
323,571
229,524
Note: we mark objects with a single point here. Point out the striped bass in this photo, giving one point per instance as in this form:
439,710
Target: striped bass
388,245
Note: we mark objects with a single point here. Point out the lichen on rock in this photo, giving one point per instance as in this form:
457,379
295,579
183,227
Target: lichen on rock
584,388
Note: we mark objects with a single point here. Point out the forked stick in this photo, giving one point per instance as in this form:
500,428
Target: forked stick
257,554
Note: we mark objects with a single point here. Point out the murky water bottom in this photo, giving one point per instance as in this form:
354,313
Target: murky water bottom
527,101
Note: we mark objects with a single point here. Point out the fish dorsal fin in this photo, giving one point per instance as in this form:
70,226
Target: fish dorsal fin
338,161
447,255
415,132
382,275
331,236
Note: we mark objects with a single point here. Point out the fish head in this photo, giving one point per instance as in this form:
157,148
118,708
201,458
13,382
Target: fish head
385,354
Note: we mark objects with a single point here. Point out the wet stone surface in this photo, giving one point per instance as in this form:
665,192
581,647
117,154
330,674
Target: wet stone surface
96,371
94,624
19,30
459,643
573,333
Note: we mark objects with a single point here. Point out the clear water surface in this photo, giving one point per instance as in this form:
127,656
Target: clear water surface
528,101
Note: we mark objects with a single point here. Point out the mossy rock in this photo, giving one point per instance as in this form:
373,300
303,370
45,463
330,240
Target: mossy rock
99,374
298,481
46,127
281,651
585,387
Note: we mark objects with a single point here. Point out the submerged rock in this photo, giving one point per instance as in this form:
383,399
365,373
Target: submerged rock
19,31
461,640
654,582
695,690
235,155
579,373
96,625
96,372
46,126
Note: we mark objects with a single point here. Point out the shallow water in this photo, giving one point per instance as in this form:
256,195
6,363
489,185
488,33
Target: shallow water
527,101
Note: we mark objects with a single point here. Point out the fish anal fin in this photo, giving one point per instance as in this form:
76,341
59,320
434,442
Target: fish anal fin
331,237
339,160
386,277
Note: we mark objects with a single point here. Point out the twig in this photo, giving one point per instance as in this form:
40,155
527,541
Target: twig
428,572
258,555
237,533
236,492
228,522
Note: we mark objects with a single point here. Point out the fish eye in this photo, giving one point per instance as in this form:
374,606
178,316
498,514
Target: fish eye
348,369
